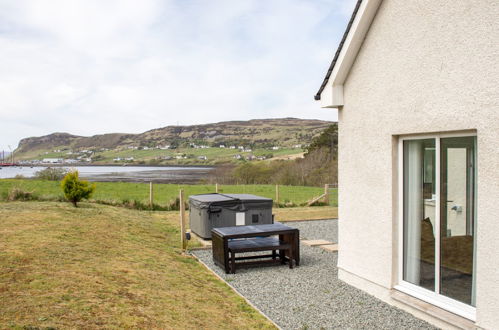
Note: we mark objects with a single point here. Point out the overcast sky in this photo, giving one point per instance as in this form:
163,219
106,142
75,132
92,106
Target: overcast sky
98,66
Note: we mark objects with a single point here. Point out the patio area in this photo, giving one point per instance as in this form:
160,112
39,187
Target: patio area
311,296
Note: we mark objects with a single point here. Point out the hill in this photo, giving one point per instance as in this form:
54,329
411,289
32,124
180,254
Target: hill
195,144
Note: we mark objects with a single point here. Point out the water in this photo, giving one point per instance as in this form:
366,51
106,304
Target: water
121,173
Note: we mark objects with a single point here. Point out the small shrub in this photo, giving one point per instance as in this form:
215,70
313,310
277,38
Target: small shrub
51,174
75,189
19,194
19,177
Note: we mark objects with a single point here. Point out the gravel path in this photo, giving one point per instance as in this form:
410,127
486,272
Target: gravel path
311,296
318,229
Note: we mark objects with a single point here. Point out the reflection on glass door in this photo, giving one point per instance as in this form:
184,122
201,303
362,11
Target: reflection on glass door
457,218
419,212
439,217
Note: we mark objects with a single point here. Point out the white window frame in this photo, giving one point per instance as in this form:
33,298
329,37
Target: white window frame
432,297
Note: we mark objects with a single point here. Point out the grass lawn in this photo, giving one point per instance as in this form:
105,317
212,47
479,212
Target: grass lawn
106,267
164,193
305,213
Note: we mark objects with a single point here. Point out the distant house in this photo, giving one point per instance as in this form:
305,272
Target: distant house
275,148
416,85
52,160
202,157
221,146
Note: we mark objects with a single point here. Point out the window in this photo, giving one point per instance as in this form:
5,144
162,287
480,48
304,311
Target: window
438,220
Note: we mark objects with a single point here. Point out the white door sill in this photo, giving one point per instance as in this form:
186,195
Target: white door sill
432,310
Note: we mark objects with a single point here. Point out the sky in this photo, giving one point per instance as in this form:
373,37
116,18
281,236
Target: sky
99,66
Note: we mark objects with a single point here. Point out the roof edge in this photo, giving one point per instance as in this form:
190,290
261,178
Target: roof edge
317,96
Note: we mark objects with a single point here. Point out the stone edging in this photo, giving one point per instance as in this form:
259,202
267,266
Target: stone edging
237,292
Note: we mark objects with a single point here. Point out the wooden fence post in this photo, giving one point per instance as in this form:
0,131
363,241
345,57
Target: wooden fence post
183,239
326,194
151,197
216,188
277,194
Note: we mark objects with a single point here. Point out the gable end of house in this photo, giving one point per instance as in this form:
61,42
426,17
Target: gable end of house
330,92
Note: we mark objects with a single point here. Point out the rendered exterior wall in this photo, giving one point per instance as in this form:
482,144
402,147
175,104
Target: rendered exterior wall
425,66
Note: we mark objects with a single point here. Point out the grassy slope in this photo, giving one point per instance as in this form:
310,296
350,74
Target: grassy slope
106,267
305,213
164,193
213,154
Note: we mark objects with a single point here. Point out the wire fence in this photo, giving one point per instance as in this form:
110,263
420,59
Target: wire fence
167,194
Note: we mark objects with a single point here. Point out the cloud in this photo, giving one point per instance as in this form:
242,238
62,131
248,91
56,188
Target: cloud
94,66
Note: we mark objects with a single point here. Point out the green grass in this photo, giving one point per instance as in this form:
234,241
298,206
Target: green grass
96,267
165,193
305,213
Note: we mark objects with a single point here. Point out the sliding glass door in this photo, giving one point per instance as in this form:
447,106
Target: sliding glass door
457,218
439,222
419,212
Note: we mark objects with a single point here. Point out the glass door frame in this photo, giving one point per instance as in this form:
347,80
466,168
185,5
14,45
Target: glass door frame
419,292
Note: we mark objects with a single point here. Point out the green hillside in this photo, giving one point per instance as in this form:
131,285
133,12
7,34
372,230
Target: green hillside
198,144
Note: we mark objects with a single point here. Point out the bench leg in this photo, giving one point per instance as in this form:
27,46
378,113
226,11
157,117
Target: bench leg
233,262
227,263
274,255
282,256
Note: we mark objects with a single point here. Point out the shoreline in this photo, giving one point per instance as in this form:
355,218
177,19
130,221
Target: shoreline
157,174
108,165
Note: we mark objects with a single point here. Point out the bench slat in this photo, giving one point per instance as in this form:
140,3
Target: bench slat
257,244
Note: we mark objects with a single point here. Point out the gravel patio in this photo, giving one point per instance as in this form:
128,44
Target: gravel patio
311,296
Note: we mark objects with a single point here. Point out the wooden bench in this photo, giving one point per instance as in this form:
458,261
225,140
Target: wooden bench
229,241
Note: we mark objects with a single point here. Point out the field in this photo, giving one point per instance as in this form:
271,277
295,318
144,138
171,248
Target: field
165,193
100,266
106,267
305,213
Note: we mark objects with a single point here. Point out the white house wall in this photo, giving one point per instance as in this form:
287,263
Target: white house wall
425,66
